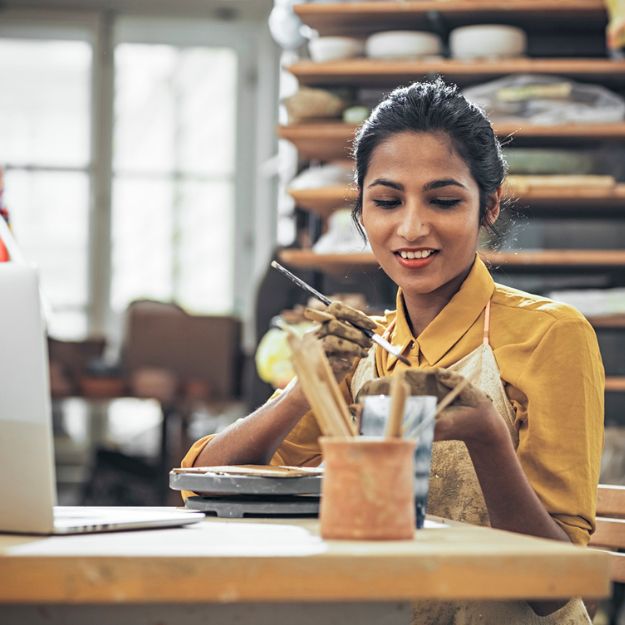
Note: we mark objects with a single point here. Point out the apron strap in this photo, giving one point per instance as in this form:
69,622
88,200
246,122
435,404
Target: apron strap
486,324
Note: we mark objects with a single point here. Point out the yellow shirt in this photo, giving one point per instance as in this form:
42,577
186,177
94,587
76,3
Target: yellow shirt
552,371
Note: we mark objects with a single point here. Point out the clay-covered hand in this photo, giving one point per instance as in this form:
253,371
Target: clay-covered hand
341,341
434,381
471,417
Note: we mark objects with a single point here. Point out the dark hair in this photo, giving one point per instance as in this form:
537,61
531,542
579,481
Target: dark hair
433,107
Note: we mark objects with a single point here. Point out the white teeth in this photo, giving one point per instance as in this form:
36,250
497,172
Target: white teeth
416,254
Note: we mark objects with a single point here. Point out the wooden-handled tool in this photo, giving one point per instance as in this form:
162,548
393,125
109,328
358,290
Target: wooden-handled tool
376,338
399,392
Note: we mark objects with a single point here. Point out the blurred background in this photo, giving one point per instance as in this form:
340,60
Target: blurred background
156,155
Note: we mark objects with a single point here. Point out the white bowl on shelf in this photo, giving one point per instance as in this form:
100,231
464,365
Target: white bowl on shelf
403,44
334,48
487,41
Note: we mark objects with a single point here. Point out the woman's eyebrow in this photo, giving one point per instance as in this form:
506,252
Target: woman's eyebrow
386,183
445,182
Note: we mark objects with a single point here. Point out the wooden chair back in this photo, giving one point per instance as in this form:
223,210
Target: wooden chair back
610,531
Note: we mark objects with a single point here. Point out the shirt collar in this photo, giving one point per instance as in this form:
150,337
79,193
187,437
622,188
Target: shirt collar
448,327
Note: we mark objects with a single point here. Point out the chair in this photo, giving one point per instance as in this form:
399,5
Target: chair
610,531
192,348
610,534
177,358
69,361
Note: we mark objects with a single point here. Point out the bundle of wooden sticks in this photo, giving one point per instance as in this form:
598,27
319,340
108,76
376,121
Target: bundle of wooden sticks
320,386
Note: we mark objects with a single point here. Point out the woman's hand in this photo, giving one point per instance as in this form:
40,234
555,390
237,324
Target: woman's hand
342,342
472,418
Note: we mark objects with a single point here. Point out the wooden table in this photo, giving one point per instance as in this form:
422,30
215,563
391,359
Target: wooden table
278,571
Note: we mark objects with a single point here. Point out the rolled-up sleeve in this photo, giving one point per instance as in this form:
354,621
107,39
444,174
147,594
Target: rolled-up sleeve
561,432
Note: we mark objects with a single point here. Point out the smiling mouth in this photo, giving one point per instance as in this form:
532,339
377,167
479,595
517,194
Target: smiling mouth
415,254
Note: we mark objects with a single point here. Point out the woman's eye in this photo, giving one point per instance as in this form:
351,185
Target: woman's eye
386,203
445,203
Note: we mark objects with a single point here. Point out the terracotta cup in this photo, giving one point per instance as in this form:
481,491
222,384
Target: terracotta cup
368,489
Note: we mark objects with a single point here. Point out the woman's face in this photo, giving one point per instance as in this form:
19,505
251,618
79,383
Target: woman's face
421,211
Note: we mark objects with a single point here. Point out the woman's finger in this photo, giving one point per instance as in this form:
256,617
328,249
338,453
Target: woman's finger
347,313
336,345
342,330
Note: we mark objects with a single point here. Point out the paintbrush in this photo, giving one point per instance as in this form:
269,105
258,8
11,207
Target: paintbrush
376,338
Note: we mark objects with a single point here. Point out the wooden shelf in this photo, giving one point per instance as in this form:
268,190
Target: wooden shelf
527,260
366,17
325,200
379,73
330,140
615,384
608,322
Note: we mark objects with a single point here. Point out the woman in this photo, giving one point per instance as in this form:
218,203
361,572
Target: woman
429,172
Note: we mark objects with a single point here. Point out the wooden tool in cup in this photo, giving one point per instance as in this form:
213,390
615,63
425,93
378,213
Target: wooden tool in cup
399,392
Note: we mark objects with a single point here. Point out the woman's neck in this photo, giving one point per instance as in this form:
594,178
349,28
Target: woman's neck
421,309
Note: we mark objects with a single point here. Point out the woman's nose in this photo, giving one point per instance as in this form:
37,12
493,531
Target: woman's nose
413,224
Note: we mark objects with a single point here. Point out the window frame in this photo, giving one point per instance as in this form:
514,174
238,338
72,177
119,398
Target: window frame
257,87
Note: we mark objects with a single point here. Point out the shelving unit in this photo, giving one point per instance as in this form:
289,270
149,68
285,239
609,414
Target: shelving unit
544,19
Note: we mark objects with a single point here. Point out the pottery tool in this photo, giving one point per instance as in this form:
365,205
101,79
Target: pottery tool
444,403
322,391
376,338
399,391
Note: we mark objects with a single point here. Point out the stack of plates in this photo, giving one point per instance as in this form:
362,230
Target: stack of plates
403,44
235,492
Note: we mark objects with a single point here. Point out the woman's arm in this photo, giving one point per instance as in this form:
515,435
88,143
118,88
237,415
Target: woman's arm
254,440
510,499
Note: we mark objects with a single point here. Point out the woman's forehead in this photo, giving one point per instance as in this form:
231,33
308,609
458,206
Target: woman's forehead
412,153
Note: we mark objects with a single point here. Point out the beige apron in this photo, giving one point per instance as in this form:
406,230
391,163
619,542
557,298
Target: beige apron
455,494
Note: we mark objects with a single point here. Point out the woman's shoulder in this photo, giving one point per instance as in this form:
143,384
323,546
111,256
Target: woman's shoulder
522,306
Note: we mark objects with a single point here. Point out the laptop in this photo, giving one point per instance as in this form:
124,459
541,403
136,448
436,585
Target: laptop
27,476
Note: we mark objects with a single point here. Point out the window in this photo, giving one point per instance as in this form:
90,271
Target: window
130,145
174,161
45,148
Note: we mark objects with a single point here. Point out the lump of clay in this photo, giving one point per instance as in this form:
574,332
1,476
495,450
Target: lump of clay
437,382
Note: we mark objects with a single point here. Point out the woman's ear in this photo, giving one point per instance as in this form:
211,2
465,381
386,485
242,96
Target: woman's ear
494,207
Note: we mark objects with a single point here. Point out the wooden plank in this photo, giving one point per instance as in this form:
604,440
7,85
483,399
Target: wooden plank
609,533
611,500
529,259
617,567
363,72
286,560
323,201
607,321
366,17
330,140
615,384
